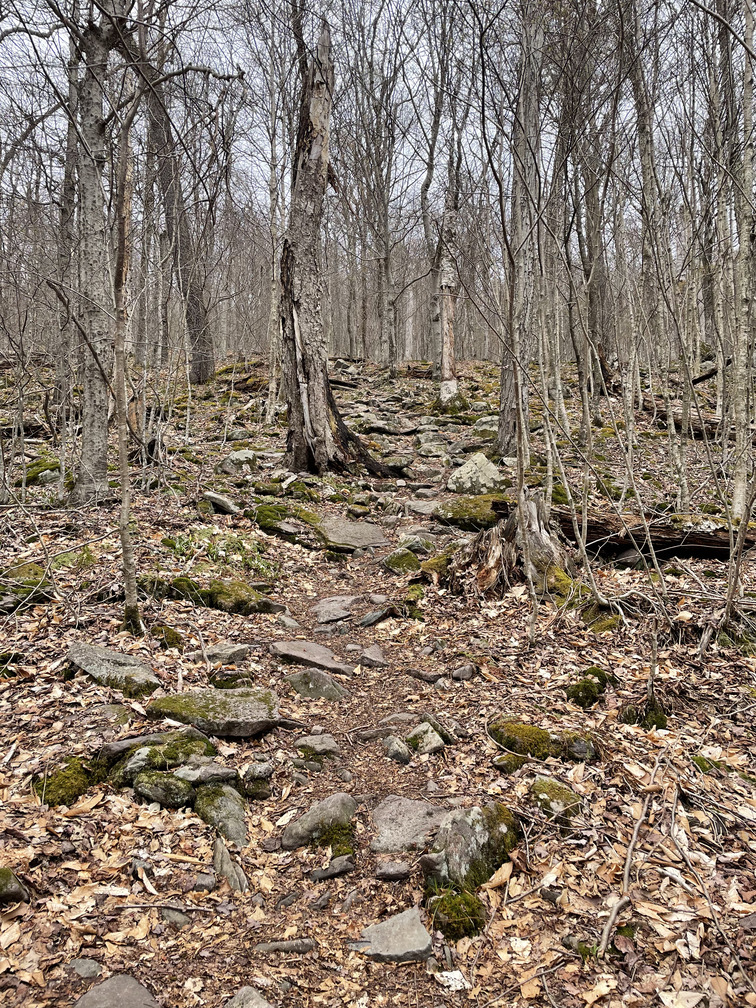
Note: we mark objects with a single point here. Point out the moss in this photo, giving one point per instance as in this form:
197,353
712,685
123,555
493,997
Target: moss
585,693
452,407
556,582
556,799
507,763
654,716
185,588
170,791
402,561
68,783
522,739
339,837
41,465
504,831
415,593
167,637
82,559
469,513
599,619
627,931
706,765
457,914
236,597
559,495
437,566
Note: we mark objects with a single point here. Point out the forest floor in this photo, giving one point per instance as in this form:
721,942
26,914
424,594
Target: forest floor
668,814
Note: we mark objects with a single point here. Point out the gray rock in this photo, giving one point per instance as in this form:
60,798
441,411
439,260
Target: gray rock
424,739
393,871
87,969
205,882
424,675
319,745
373,657
114,669
225,866
299,946
248,997
487,427
227,654
330,610
176,917
12,889
287,621
464,672
308,653
403,824
477,476
119,991
421,507
317,685
207,773
417,544
396,749
113,751
345,536
223,807
402,938
240,460
221,503
165,788
238,713
401,561
470,845
339,866
336,810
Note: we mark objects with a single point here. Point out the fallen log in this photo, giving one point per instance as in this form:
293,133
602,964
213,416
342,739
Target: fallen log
682,535
699,425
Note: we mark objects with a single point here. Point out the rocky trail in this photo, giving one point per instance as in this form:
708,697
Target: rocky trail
323,779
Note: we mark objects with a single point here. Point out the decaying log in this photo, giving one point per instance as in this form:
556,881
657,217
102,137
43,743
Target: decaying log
698,424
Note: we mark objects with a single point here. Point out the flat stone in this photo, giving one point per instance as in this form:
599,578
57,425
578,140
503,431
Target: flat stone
403,824
421,507
164,788
226,654
336,810
176,917
115,669
330,610
345,536
339,866
373,657
119,991
87,969
224,865
477,476
316,685
248,997
287,621
393,871
241,713
223,807
207,773
424,739
319,745
424,675
308,653
221,503
402,938
113,751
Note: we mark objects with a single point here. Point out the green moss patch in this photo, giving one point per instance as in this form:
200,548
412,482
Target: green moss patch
457,914
557,800
469,513
522,739
338,836
167,637
66,785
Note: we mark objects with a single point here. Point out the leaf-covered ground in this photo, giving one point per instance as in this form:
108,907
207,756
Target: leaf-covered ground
667,822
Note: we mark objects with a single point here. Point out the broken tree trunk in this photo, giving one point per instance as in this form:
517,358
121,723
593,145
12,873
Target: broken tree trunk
318,437
519,548
703,425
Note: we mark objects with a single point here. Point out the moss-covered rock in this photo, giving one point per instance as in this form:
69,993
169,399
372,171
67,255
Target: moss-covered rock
223,807
508,763
649,715
599,619
236,596
167,636
469,513
65,785
457,914
470,846
522,739
12,889
24,585
585,693
557,800
165,788
44,469
239,713
402,561
163,756
338,836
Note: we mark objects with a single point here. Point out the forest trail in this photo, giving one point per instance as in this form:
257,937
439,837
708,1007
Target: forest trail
623,877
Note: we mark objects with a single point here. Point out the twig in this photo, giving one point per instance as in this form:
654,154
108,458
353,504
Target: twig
606,934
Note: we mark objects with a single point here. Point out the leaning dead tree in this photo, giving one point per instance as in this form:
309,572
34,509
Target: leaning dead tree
318,438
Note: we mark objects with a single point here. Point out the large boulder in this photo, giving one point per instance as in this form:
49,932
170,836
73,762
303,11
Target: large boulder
240,713
113,668
470,845
477,476
242,460
330,818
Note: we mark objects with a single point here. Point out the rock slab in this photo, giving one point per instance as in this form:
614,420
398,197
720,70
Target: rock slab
248,997
316,685
402,938
403,824
477,476
114,669
239,713
119,991
299,652
345,536
336,810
